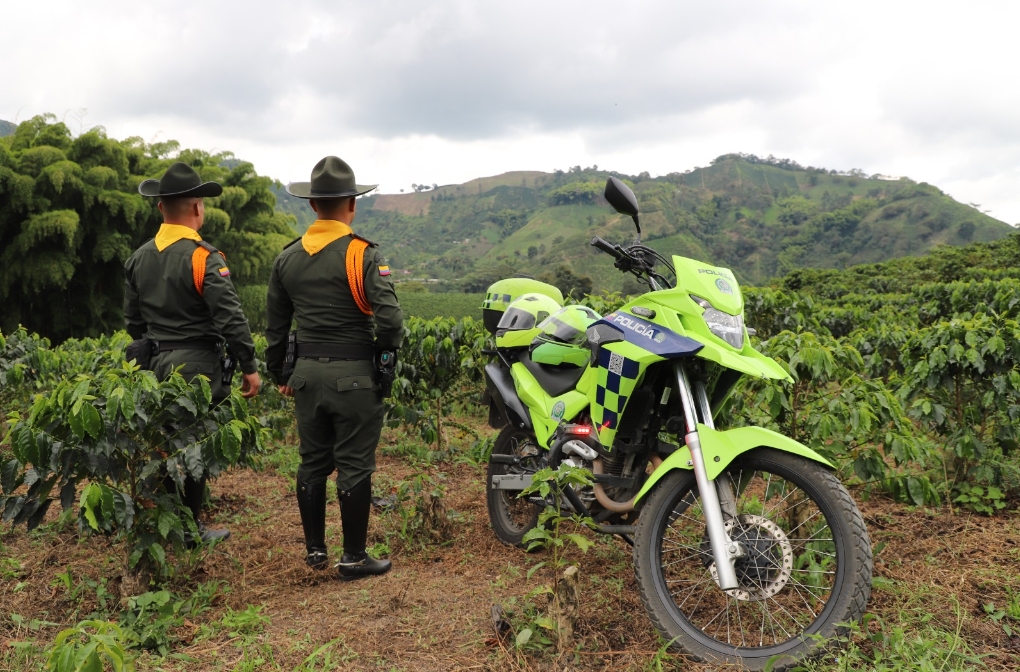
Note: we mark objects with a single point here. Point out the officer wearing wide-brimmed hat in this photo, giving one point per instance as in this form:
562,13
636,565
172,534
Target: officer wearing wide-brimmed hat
180,297
335,285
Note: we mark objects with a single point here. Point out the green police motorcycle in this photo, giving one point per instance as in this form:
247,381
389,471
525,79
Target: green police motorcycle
747,548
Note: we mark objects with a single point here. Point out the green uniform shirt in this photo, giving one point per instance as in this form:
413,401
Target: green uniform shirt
161,302
312,289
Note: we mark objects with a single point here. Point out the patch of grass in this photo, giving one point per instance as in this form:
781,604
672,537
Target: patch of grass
1007,617
10,568
880,583
414,451
246,627
329,656
154,617
85,594
247,623
877,646
380,550
22,655
284,460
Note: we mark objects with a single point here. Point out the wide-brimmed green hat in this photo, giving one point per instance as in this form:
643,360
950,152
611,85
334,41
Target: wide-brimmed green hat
331,178
179,180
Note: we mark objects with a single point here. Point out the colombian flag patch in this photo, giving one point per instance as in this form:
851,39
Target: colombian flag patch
384,270
225,272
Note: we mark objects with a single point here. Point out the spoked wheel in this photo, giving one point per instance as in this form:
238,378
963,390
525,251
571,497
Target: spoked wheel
510,515
804,574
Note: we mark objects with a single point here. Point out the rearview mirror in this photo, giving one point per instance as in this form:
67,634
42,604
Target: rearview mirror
623,200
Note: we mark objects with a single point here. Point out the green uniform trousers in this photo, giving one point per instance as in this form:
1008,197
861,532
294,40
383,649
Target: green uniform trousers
196,362
340,417
193,363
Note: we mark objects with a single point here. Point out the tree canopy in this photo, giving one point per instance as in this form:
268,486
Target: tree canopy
71,215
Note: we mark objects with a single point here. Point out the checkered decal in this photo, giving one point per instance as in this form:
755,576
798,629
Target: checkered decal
617,376
495,297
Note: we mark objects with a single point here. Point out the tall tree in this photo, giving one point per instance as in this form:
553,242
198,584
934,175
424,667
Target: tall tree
70,215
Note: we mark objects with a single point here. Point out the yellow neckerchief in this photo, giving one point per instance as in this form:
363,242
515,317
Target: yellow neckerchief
321,233
169,234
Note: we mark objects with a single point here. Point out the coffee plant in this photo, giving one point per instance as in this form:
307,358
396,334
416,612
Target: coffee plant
439,364
854,420
118,434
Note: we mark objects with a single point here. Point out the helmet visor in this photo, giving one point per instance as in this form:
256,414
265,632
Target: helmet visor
515,319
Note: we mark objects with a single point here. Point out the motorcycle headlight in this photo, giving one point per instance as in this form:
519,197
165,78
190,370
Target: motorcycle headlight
729,328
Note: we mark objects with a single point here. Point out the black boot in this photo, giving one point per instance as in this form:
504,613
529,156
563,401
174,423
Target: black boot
192,497
355,505
311,499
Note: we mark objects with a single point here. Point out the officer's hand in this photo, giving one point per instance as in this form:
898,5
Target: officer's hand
250,385
286,391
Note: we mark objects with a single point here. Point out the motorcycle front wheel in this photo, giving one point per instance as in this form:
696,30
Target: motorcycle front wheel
805,571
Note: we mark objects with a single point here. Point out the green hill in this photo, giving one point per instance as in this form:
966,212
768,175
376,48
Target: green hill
7,128
760,217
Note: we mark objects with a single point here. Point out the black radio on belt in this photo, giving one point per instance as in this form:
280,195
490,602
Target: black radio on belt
386,364
289,357
229,364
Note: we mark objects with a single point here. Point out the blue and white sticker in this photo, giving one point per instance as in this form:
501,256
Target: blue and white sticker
650,336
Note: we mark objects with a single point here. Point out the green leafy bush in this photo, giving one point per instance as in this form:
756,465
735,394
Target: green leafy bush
92,646
963,383
152,617
122,431
437,358
833,407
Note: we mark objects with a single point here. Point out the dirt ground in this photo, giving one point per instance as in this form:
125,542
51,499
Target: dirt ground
432,612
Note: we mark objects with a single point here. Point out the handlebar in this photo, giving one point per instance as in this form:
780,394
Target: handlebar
606,247
634,260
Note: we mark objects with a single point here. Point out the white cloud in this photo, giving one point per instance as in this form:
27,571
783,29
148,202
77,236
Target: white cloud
451,90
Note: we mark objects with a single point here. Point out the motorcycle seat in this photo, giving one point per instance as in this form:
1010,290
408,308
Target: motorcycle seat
555,380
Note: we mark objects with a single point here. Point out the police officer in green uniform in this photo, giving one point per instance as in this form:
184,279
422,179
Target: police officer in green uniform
335,286
180,297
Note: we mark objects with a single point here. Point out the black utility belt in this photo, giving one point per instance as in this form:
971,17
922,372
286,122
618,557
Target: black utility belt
198,344
335,351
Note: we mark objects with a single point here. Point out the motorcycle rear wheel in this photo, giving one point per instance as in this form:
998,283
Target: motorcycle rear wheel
805,574
511,517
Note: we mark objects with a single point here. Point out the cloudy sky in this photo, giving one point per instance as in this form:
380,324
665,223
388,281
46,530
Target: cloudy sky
446,90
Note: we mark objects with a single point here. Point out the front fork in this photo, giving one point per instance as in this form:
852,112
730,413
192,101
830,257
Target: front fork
713,501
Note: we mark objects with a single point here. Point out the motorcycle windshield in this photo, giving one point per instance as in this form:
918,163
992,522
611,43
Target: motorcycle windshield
569,325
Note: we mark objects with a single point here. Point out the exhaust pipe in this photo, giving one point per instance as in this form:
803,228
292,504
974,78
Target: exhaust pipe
600,492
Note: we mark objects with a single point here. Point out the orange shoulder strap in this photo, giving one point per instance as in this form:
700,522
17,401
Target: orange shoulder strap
356,273
198,259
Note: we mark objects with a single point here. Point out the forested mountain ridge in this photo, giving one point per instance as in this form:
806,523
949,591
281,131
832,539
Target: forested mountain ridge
6,128
760,217
70,214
